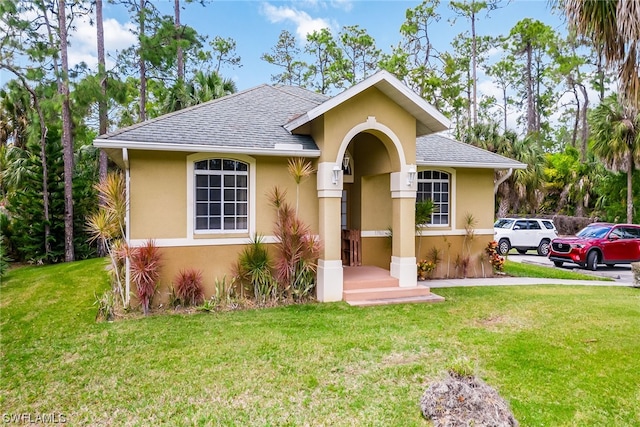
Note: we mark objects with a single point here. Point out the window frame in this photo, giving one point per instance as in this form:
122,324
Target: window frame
191,195
450,194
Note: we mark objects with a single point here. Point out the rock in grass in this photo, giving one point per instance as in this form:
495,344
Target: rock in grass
465,401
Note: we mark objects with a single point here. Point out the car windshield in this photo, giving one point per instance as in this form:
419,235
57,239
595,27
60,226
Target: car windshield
597,231
503,223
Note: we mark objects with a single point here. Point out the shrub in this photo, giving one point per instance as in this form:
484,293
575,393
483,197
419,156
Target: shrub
497,261
188,287
106,306
145,272
254,269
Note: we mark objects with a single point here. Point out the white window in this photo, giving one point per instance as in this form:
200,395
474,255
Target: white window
221,195
435,186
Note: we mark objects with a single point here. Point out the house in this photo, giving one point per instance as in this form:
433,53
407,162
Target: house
198,179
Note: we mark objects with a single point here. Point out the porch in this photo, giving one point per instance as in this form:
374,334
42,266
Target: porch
369,285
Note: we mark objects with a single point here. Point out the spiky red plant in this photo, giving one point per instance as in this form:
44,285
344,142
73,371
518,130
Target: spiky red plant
188,287
298,251
145,271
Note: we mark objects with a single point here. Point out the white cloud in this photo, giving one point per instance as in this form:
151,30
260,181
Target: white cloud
83,41
304,23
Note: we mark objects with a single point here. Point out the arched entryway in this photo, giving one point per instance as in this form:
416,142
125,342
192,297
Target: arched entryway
380,199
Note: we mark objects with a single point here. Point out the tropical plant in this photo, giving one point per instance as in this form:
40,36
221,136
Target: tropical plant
300,169
496,261
188,287
297,249
254,269
145,272
107,227
616,140
424,211
612,25
106,306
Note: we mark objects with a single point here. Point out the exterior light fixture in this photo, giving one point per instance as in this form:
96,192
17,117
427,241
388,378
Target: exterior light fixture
411,176
345,161
336,174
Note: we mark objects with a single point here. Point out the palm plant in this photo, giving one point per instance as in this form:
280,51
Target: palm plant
616,140
299,169
424,211
613,25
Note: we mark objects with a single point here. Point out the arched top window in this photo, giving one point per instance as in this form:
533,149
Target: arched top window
436,186
221,195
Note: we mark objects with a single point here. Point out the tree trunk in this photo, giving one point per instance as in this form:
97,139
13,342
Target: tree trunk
142,67
584,131
504,99
102,75
530,104
67,140
180,54
474,63
630,187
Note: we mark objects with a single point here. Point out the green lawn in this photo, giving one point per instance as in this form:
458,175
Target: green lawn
517,269
562,356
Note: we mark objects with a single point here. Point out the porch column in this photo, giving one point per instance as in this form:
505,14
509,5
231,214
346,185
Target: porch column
403,252
330,280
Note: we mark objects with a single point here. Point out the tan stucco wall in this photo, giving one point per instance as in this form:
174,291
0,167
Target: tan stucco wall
371,102
474,195
450,247
273,172
376,251
158,194
376,203
158,182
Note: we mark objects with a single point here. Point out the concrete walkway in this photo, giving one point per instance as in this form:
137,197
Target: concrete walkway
516,281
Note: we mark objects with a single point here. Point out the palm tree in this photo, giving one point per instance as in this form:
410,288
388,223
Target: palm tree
616,140
613,25
202,88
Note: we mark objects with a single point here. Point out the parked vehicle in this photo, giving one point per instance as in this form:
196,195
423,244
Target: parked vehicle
598,243
524,234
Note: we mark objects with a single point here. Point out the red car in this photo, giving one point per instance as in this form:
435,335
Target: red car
598,243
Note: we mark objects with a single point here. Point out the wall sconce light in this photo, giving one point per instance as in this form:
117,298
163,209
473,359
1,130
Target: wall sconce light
411,176
345,161
336,174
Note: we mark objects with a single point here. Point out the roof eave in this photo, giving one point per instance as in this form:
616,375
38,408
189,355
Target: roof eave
473,165
152,146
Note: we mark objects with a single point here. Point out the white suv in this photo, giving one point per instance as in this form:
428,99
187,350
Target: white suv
524,234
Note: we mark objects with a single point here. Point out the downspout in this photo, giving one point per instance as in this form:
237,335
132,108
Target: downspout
127,237
501,180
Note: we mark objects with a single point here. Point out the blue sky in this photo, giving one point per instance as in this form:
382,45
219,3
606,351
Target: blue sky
255,26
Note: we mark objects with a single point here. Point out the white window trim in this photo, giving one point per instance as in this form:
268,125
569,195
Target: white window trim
452,198
191,160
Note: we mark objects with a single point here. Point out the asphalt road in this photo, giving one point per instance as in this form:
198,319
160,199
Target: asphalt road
621,272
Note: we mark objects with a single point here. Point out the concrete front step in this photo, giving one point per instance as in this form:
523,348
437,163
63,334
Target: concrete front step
384,293
431,298
366,277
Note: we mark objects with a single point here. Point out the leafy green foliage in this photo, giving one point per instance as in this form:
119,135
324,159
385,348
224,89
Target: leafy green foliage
254,269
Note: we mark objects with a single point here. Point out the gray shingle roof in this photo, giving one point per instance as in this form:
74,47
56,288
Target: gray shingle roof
439,149
248,119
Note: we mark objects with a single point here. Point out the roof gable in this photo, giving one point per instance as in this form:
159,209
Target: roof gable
428,119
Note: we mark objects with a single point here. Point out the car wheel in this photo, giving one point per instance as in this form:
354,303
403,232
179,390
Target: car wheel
592,261
558,263
504,246
522,251
543,248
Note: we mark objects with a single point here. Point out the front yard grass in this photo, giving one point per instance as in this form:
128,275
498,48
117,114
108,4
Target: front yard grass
562,356
518,269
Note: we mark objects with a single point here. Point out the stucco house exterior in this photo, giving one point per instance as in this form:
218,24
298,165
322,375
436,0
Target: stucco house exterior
198,179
